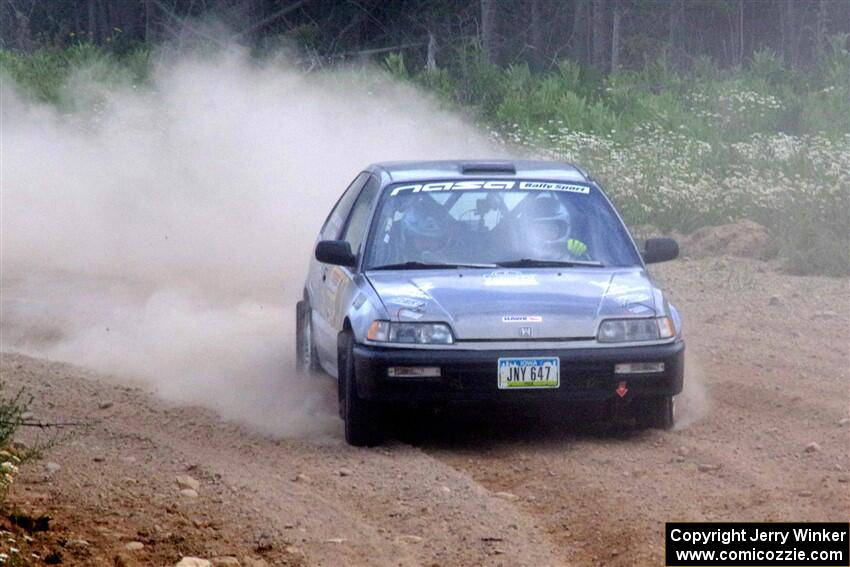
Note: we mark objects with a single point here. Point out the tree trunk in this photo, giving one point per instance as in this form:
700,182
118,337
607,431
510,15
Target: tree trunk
821,40
104,22
740,32
126,17
599,51
735,48
148,21
787,27
23,32
431,59
92,20
675,24
490,32
539,55
579,37
616,27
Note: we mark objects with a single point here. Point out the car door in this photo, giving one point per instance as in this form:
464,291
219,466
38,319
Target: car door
339,281
319,289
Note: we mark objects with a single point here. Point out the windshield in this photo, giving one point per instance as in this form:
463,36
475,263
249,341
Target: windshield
516,223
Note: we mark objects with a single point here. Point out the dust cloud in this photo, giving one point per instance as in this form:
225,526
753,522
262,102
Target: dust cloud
692,404
162,234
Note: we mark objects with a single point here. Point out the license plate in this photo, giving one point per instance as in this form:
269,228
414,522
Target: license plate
524,373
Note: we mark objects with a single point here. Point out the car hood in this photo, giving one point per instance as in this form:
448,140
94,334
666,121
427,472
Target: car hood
507,304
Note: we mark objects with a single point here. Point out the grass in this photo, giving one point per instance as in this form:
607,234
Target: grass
681,150
48,75
12,411
677,150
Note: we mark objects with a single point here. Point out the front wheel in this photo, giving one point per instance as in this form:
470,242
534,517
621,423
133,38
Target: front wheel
362,418
656,413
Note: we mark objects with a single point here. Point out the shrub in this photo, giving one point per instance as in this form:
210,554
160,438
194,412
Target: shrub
12,410
679,150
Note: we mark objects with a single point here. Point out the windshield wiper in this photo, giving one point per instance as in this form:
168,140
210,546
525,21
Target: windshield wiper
535,263
416,265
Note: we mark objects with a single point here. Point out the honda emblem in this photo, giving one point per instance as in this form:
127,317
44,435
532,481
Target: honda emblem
525,331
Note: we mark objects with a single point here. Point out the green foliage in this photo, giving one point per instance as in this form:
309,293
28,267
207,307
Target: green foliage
678,150
826,108
308,36
394,64
681,151
46,74
43,73
768,66
535,102
12,410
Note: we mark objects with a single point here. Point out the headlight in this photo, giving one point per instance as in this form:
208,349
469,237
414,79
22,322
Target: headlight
633,330
411,333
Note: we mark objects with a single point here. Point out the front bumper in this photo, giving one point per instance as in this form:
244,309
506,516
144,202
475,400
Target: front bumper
587,375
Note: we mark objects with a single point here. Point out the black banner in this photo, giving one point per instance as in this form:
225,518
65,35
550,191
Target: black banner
763,544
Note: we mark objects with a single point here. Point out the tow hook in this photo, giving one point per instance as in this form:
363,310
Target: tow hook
622,390
620,405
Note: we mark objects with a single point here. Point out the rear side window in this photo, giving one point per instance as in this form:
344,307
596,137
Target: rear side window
333,224
355,229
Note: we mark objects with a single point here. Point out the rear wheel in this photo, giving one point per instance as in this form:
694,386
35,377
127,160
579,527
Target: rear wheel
656,413
306,360
362,418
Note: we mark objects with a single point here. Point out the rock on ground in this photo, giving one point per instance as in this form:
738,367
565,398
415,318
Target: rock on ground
186,481
193,562
125,560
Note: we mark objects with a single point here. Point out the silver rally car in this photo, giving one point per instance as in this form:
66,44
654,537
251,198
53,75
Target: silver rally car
499,282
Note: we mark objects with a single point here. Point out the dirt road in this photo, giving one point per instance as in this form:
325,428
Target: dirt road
767,380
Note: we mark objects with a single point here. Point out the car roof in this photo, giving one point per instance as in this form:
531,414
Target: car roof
405,171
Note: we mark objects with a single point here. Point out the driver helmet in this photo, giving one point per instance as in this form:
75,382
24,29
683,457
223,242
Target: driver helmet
422,228
549,226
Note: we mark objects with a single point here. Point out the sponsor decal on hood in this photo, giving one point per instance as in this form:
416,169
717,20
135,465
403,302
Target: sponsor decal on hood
522,319
509,277
410,302
409,314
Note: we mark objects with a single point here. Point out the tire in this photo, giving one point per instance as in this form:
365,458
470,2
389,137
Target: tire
656,413
362,418
306,360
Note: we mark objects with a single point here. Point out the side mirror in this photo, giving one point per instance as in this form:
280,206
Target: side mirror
336,252
660,250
